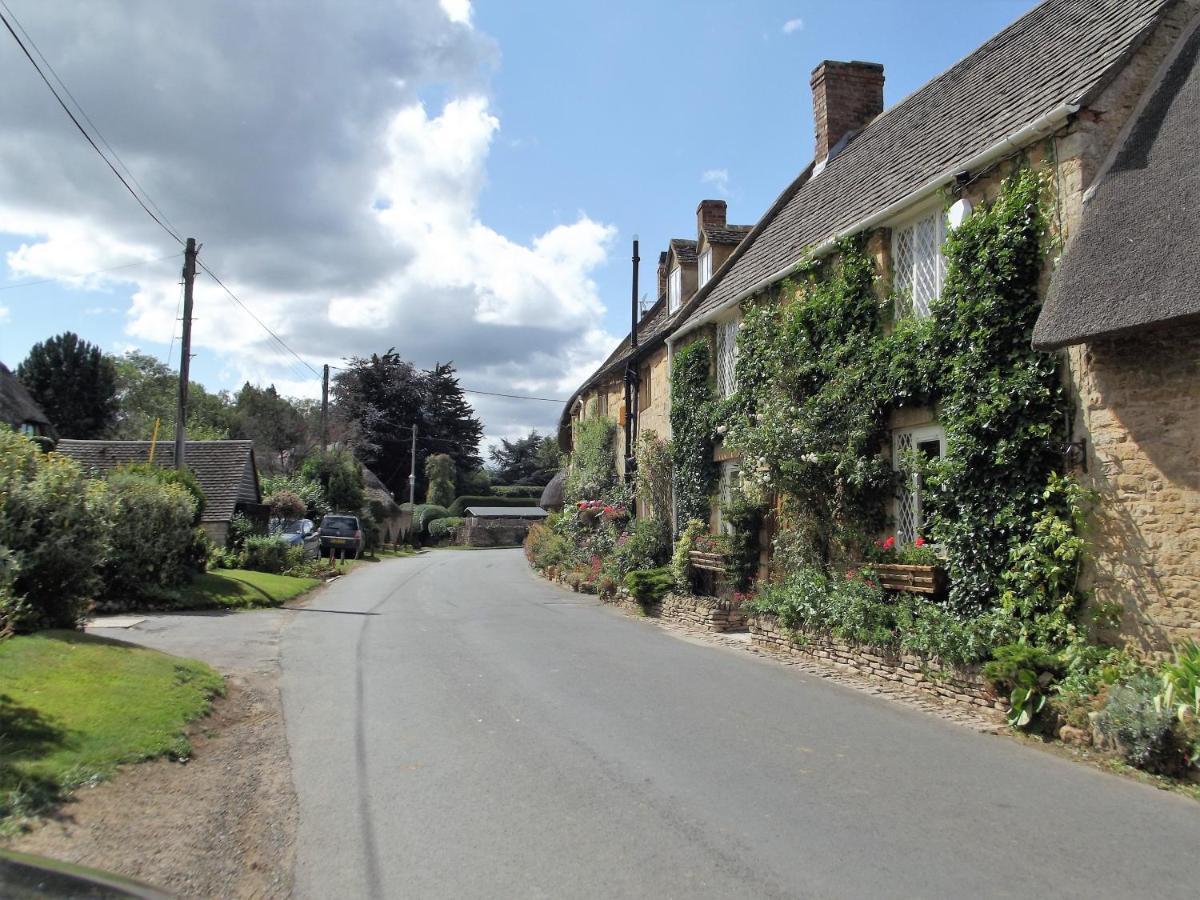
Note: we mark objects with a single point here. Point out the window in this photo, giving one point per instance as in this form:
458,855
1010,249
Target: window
727,357
674,289
920,267
705,266
645,388
729,478
930,442
28,428
602,404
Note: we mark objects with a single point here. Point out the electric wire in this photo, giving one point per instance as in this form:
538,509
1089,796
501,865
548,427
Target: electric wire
37,281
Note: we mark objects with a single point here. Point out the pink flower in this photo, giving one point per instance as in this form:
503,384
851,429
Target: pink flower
850,573
919,542
889,543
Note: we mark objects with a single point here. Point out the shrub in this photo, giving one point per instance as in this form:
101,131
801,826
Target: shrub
439,474
459,506
1136,724
340,476
184,477
440,529
683,546
151,535
1181,682
286,505
266,554
241,529
545,547
53,523
1027,673
517,490
315,503
423,514
644,546
649,586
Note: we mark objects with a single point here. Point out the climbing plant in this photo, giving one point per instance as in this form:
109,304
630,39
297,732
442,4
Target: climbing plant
693,408
592,471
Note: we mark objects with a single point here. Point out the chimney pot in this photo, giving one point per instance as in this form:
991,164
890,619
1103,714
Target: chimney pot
846,96
662,274
709,212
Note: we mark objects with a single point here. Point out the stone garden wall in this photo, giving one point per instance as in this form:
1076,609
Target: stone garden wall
950,683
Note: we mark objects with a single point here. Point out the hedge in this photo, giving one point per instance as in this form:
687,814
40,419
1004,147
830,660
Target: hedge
459,506
444,527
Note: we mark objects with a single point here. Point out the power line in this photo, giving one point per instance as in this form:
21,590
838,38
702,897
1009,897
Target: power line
144,262
484,393
83,131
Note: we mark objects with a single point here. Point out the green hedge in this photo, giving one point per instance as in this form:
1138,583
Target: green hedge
442,528
518,490
459,506
424,513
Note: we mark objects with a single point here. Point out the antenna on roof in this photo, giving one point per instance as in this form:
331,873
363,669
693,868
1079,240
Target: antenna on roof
644,305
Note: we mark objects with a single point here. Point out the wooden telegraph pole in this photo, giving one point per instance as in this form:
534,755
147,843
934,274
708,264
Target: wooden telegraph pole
325,408
185,353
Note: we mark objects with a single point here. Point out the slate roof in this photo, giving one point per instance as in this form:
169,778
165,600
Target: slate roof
1133,261
506,512
16,405
685,250
1062,51
219,466
726,234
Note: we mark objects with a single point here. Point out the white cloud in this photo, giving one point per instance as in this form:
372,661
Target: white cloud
791,26
5,314
458,11
341,207
718,178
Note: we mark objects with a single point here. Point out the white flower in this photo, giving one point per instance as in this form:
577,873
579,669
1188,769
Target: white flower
809,458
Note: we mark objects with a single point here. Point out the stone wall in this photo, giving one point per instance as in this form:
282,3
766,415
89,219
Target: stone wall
508,533
709,613
955,684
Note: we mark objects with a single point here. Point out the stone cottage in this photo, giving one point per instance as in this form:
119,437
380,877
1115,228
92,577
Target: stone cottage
1097,94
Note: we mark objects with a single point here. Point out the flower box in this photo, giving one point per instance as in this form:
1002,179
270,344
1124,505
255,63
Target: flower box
708,562
912,579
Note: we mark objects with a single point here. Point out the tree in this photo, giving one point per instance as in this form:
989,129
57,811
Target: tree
278,429
340,476
147,389
439,473
532,459
74,383
451,421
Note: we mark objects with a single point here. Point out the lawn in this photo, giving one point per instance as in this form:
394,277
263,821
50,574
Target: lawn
241,589
73,707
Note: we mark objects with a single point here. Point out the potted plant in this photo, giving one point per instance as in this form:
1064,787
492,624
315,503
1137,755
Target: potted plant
914,568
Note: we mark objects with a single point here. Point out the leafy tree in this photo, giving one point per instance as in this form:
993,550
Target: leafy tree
147,390
439,472
452,426
74,383
340,476
532,459
278,429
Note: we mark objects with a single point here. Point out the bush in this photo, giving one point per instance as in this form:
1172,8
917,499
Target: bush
241,529
649,586
53,523
1135,724
266,554
459,506
286,505
545,547
516,490
645,546
311,492
439,476
152,535
423,514
440,529
1026,672
184,477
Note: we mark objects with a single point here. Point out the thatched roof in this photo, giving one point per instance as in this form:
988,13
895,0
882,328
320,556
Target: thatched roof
1134,259
16,405
552,494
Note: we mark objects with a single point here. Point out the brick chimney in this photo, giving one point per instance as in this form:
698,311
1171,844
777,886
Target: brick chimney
662,274
709,212
846,96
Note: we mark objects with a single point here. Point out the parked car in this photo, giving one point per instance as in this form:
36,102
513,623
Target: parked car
298,533
342,534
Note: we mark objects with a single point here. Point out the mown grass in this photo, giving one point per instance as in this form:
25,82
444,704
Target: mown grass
241,589
73,707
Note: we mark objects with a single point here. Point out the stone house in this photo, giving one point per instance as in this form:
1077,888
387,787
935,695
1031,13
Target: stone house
1061,90
225,470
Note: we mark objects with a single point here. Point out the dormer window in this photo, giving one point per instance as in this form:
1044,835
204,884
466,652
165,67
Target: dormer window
674,289
920,267
705,266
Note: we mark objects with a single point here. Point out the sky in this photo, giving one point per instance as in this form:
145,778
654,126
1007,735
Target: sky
461,181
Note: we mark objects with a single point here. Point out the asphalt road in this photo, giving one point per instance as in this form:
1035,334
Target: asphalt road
459,728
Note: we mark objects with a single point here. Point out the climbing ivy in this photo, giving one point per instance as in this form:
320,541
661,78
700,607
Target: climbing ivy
592,469
693,410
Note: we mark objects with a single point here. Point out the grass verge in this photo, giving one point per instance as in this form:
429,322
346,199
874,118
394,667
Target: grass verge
241,589
73,707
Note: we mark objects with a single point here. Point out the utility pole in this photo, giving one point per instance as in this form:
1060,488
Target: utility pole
325,409
185,353
412,473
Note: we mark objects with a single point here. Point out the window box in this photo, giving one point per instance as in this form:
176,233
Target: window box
707,562
928,580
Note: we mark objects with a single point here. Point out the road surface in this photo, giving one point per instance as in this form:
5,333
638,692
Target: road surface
459,728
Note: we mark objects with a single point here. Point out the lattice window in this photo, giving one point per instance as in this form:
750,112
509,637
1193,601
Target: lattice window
920,267
727,357
930,442
730,470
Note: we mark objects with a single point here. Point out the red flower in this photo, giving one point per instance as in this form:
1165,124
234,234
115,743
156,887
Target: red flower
850,573
919,542
583,504
889,543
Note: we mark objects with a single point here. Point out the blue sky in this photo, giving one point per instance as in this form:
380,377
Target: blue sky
587,127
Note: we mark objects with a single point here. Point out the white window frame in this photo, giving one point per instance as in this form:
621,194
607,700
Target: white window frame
909,495
674,288
705,266
917,278
727,354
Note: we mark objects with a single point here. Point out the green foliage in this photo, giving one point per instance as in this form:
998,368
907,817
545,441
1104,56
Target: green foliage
685,544
1026,672
1001,402
649,586
1039,584
424,513
1181,682
930,630
515,490
340,477
147,389
545,546
285,505
241,529
593,470
74,383
184,477
653,477
532,460
315,503
54,527
644,546
1137,724
460,504
151,536
744,517
693,408
851,608
440,529
439,479
277,425
263,553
